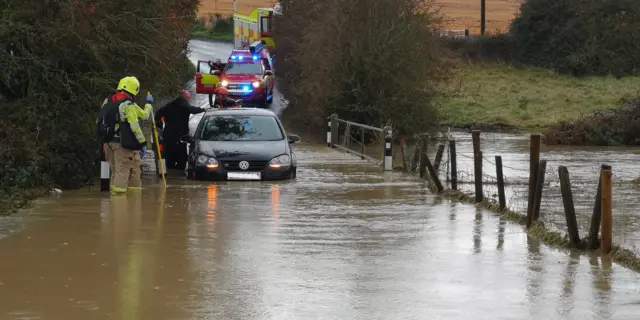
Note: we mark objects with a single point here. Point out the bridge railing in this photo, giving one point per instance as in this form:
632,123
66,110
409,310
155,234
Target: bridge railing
368,142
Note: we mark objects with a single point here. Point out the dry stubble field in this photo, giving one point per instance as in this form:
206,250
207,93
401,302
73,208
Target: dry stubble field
458,14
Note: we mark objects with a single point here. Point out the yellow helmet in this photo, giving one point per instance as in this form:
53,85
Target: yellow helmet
130,85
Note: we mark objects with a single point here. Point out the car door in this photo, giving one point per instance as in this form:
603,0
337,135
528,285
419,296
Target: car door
206,82
268,80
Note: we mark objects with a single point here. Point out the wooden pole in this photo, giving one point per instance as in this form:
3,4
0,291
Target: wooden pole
436,164
477,164
362,147
534,160
334,130
423,158
416,156
403,149
501,196
542,169
569,209
607,219
594,228
434,175
454,165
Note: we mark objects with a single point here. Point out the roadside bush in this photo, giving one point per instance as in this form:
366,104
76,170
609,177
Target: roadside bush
371,61
60,59
579,37
619,126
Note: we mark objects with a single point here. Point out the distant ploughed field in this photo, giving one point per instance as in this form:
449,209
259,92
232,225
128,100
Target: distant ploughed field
458,14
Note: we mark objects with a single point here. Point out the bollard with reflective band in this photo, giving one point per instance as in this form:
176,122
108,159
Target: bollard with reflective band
388,153
329,134
105,174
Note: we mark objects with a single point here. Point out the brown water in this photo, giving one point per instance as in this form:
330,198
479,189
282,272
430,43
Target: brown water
343,241
583,164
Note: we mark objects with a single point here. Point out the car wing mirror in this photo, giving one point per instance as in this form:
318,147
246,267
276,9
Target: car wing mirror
294,138
186,138
268,73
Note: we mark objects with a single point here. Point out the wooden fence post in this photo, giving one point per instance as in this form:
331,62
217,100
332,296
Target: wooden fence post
436,163
534,160
501,196
542,169
416,155
362,146
607,219
334,130
454,165
477,164
569,209
594,228
434,175
423,158
403,150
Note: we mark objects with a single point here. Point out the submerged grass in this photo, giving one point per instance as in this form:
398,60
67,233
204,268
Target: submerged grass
527,98
622,256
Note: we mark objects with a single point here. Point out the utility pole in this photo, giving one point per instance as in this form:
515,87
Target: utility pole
235,5
483,12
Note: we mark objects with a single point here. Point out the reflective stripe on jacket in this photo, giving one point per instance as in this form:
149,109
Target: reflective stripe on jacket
130,112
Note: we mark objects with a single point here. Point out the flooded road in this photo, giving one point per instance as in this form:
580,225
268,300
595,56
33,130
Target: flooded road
210,50
584,168
343,241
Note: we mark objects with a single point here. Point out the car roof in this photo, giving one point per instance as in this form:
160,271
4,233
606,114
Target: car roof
241,111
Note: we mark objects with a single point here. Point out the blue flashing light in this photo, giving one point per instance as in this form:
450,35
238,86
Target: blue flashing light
233,57
246,89
255,57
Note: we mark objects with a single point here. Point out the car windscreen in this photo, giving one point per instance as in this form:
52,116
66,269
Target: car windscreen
240,128
243,68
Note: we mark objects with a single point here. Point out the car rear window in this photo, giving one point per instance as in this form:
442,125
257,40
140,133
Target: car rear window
240,128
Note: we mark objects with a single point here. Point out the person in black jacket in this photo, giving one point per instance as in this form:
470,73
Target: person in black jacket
176,124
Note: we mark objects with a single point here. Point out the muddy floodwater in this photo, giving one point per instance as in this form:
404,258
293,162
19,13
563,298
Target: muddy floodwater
343,241
583,164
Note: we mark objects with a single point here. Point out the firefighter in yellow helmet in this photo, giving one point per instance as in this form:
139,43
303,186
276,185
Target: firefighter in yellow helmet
127,145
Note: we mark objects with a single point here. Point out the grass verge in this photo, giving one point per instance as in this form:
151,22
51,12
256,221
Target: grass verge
499,95
552,238
18,199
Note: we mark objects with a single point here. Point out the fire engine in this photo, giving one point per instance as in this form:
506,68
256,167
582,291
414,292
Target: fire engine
253,27
248,75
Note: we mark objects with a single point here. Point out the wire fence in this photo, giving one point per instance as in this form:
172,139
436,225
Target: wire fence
516,172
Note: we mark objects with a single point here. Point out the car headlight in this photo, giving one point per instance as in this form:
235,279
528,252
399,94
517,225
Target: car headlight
206,161
282,161
224,83
256,84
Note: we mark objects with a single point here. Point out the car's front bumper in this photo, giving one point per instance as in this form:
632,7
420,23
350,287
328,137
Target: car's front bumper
219,173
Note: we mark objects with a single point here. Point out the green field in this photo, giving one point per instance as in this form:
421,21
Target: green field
206,34
527,98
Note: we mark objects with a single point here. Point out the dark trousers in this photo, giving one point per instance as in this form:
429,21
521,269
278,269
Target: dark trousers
176,154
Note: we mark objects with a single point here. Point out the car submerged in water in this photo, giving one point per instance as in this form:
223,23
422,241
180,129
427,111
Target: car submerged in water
241,144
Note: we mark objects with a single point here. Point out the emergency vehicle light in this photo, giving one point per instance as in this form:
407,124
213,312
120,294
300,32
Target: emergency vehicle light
255,47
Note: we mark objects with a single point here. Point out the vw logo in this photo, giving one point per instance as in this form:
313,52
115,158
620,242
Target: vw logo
243,165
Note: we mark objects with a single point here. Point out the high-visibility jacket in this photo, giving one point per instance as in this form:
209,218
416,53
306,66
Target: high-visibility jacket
130,133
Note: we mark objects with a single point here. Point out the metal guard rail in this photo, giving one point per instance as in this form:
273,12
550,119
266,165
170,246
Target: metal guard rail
333,137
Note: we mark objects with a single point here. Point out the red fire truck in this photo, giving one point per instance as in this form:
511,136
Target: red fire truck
248,75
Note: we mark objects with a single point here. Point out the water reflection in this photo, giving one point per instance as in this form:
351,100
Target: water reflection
501,224
477,231
275,201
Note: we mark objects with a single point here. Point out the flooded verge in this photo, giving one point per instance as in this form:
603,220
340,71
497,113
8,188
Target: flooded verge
343,241
583,164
